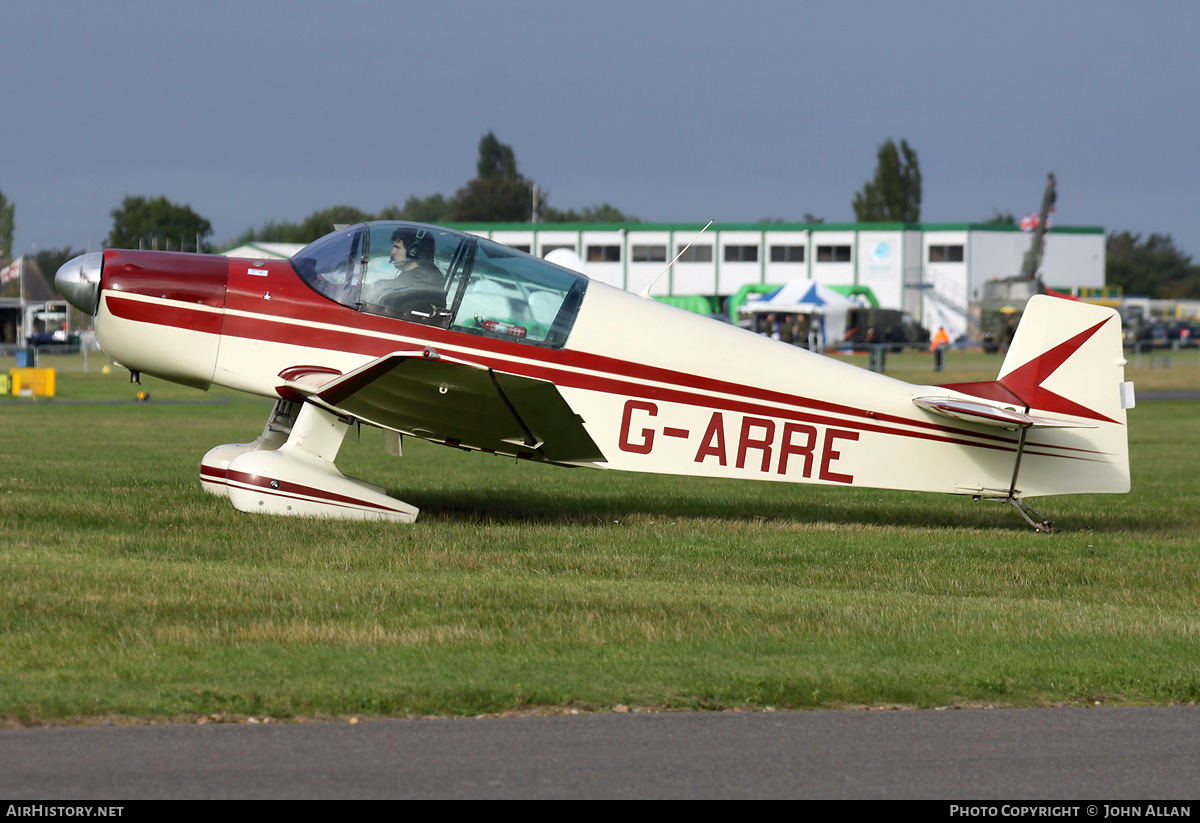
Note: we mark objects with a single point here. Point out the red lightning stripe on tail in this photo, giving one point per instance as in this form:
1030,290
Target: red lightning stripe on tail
1026,381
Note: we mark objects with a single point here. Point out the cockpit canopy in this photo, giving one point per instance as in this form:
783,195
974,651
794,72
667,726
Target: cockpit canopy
438,277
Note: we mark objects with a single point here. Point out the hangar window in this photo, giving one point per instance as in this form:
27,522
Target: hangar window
741,254
946,254
649,254
549,247
604,254
787,254
696,254
833,254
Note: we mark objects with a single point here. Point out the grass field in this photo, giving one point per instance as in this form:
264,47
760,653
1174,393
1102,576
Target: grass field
127,593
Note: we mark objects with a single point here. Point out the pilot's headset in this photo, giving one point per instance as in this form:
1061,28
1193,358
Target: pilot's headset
421,245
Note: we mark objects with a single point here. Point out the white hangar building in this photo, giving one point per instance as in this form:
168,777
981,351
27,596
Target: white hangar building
931,270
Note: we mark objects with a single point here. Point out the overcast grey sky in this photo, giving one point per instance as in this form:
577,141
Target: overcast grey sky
256,111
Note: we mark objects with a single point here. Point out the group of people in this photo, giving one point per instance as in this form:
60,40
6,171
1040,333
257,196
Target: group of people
801,330
796,329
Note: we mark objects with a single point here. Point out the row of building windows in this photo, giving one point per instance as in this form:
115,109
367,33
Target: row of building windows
734,254
704,254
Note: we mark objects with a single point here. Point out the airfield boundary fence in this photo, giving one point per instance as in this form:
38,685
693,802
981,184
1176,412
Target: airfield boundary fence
910,357
882,357
65,357
1144,353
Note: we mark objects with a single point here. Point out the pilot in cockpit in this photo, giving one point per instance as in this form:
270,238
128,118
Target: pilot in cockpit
419,285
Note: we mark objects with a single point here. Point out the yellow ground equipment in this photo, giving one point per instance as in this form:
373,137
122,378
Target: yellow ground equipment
33,382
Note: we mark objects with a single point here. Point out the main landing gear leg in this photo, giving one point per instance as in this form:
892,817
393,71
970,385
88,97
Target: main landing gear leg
298,478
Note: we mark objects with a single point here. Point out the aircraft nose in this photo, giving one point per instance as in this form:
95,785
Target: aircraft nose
79,281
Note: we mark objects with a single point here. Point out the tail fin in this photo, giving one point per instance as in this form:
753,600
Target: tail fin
1067,361
1067,358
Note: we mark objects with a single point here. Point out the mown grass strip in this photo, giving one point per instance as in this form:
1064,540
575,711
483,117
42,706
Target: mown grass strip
125,591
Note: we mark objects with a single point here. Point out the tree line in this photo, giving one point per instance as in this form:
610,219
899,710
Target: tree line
498,193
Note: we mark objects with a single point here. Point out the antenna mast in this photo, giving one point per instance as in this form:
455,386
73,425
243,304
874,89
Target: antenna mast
646,291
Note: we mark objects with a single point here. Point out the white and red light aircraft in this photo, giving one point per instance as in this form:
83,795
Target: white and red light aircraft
432,333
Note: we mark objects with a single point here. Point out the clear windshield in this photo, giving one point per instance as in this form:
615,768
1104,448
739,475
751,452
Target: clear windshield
330,264
436,276
412,270
511,294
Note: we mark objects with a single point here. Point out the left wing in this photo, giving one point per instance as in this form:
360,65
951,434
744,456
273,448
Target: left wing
456,402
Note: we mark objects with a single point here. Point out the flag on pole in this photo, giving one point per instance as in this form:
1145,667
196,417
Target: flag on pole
11,272
1030,221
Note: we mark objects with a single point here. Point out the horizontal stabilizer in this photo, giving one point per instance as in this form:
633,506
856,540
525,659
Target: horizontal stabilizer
1001,417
